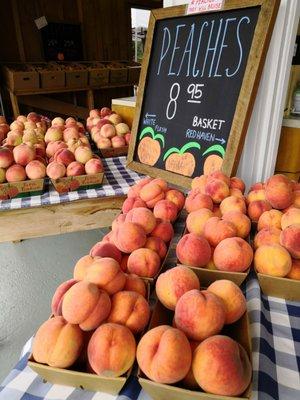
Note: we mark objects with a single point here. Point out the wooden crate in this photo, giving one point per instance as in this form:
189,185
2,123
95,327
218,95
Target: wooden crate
21,77
76,74
98,74
118,72
51,75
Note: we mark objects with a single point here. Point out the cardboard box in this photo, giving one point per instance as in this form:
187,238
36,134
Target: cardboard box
70,183
125,107
285,288
21,189
238,331
21,77
98,74
118,72
82,380
114,152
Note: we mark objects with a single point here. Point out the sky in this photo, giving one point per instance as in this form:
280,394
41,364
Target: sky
139,17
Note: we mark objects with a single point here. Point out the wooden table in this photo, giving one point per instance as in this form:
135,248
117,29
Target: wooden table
81,215
35,98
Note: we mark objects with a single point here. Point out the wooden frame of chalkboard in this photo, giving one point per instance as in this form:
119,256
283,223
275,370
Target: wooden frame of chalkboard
241,110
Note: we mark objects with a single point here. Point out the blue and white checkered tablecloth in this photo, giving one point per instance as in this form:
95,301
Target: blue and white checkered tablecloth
275,331
117,181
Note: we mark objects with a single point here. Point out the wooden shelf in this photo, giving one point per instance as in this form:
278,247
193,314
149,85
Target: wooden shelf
65,89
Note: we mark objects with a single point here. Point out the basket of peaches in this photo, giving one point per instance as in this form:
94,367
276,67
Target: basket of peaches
72,163
110,134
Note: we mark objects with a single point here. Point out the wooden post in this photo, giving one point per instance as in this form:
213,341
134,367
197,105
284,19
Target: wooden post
14,103
90,100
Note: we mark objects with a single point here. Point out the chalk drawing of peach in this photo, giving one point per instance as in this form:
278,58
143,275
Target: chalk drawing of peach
213,162
180,161
149,148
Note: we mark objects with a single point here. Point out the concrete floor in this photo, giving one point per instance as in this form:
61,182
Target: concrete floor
30,271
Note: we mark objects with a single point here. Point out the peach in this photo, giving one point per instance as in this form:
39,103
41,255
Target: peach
270,219
115,119
117,142
290,239
123,263
158,245
108,131
15,173
176,197
30,137
6,157
168,347
94,113
196,200
23,154
151,193
217,189
279,191
134,191
135,284
86,305
2,175
216,230
56,303
233,298
35,170
189,380
122,129
162,183
104,143
196,220
57,343
82,266
13,139
132,202
292,216
200,314
228,364
193,250
166,210
129,309
53,147
257,186
105,111
129,237
144,262
236,193
111,350
256,208
295,270
199,183
94,166
265,236
16,125
106,274
127,138
56,170
296,199
53,134
216,211
233,203
58,121
173,283
118,221
163,230
143,217
75,168
218,175
40,149
237,183
105,249
233,254
70,133
83,154
272,260
64,156
254,195
240,221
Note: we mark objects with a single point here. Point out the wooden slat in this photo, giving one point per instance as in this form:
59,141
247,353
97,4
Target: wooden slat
20,42
53,105
76,216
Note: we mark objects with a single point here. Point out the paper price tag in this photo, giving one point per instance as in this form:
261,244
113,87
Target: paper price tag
201,6
41,22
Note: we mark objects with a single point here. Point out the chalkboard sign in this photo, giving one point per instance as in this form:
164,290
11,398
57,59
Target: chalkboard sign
197,88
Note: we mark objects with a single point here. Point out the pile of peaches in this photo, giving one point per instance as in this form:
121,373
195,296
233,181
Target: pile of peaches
107,129
194,352
22,151
97,313
277,241
217,225
69,151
